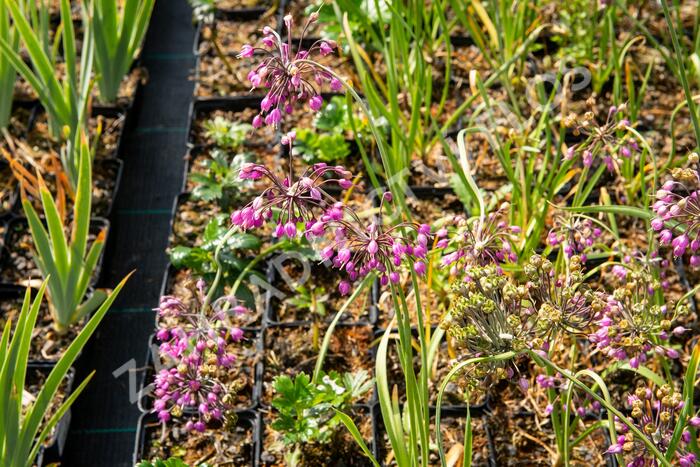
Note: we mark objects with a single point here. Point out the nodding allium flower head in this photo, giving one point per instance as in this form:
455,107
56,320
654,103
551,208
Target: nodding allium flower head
294,201
479,241
563,302
289,76
575,234
677,208
581,403
601,140
197,349
630,323
490,315
359,248
656,414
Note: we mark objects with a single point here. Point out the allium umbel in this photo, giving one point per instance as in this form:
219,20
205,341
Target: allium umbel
359,247
479,241
677,208
631,324
289,76
294,201
196,349
656,414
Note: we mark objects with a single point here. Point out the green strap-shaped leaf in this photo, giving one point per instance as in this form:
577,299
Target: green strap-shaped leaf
36,411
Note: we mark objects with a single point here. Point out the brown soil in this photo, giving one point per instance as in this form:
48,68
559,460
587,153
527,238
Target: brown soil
291,350
46,344
341,450
18,266
214,446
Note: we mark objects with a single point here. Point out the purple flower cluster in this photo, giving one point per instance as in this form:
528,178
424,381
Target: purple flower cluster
575,234
477,241
656,414
602,140
196,348
289,76
630,324
359,248
295,201
678,217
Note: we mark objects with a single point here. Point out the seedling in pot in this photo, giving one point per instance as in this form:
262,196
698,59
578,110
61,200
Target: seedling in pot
219,181
310,412
67,264
232,256
226,134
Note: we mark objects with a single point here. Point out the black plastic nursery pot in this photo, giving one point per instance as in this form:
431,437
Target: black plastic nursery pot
452,425
341,451
317,271
17,242
289,348
243,437
53,447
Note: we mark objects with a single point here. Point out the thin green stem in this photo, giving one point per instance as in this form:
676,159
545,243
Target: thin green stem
681,71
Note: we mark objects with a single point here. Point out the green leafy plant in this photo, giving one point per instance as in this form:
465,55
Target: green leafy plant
309,412
226,134
117,37
219,180
66,99
326,147
23,430
201,260
67,264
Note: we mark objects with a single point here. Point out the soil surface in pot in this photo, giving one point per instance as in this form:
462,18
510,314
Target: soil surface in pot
46,344
341,450
292,350
216,447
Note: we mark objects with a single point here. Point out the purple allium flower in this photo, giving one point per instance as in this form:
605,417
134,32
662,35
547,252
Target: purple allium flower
677,208
295,203
656,414
630,323
195,345
478,241
289,77
576,234
602,141
360,248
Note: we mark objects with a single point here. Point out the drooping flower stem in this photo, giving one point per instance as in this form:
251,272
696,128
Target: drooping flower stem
605,403
217,278
331,327
456,369
375,132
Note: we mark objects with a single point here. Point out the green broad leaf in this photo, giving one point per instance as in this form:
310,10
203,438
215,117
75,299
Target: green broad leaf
332,148
244,241
332,117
